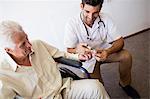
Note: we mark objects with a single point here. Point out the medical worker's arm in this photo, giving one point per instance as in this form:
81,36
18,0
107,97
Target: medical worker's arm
117,45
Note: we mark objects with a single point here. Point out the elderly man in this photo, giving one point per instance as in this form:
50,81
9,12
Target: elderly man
29,70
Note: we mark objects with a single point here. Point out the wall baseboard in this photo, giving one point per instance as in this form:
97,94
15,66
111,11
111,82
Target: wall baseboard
137,33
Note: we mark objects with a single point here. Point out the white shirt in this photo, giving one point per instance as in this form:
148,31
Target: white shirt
101,35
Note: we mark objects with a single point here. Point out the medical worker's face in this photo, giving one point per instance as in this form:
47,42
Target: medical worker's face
90,13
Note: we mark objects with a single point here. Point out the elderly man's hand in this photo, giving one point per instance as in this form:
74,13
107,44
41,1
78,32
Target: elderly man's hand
84,51
85,57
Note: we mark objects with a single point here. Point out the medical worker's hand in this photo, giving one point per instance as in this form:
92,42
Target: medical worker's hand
101,55
83,48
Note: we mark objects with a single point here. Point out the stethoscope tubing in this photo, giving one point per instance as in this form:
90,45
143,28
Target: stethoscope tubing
100,21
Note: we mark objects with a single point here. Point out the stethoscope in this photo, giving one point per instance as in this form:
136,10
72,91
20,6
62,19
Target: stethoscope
88,36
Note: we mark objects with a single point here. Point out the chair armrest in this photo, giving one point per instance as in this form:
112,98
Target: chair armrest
73,63
69,62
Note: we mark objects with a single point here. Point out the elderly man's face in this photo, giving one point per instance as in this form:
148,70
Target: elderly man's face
22,45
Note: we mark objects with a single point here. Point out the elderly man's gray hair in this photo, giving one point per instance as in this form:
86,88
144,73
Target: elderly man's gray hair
7,29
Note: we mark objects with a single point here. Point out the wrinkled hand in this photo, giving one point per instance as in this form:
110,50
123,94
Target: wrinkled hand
85,57
101,55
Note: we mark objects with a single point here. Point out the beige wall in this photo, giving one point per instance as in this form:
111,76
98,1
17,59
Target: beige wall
130,15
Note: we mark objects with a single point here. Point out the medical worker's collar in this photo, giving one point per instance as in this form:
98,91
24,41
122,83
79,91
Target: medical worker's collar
100,21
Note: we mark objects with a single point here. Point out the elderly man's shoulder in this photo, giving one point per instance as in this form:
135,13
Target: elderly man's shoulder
38,42
41,43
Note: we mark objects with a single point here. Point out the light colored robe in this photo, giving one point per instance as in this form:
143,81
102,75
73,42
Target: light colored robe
49,77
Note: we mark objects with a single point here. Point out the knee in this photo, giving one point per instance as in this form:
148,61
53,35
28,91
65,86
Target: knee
90,85
125,55
94,85
97,89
